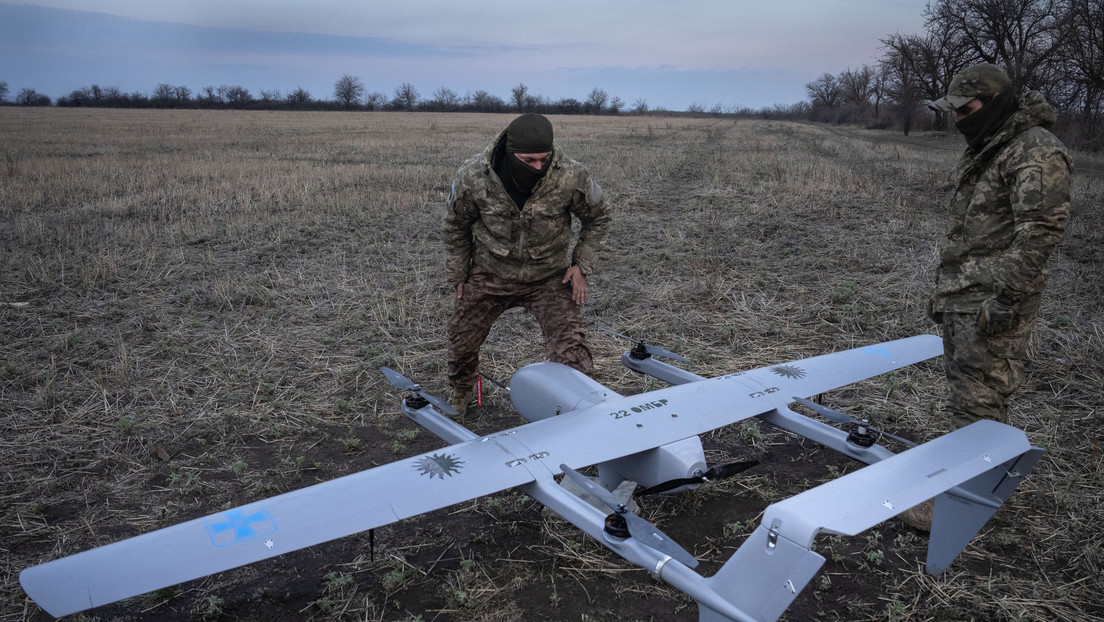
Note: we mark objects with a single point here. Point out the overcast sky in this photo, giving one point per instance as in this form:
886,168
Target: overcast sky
669,53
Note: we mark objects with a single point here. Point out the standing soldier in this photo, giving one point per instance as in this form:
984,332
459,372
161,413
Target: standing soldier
1007,214
507,235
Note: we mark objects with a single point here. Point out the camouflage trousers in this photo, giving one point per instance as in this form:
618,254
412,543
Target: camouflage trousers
983,371
486,297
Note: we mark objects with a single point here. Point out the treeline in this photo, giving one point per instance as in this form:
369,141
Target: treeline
1053,46
350,93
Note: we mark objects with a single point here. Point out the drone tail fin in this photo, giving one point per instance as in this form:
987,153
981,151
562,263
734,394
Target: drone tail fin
957,518
762,578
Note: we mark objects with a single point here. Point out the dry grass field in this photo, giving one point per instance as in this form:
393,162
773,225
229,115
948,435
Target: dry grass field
194,307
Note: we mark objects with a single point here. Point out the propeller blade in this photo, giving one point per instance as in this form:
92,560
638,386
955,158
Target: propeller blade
438,403
403,383
398,380
593,488
838,417
651,535
639,528
720,471
658,351
650,349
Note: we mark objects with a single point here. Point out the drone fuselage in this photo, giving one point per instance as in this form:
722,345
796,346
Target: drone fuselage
543,390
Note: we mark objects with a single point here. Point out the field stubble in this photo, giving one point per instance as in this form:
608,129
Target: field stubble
194,306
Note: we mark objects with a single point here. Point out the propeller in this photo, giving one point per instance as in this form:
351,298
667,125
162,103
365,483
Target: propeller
838,417
403,383
639,528
720,471
642,350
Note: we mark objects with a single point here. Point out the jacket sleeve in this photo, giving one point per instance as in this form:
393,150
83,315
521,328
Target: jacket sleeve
593,215
460,213
1040,198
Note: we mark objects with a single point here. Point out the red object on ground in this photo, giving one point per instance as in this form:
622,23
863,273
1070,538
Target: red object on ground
479,391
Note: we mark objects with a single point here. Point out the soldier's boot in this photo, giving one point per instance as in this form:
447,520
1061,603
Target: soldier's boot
919,516
460,399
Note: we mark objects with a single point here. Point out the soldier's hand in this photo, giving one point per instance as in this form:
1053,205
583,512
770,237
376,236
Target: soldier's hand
459,292
578,284
996,315
933,315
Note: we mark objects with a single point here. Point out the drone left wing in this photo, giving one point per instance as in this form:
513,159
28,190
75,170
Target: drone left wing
275,526
625,425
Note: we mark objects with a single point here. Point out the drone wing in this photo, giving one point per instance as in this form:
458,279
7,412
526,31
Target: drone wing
625,425
822,373
275,526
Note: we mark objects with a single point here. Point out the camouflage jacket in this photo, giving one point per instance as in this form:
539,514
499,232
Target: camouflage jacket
1008,213
484,226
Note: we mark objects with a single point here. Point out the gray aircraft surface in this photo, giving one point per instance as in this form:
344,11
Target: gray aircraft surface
650,439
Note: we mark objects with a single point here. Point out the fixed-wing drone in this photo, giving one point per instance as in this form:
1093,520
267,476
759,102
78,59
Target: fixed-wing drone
649,438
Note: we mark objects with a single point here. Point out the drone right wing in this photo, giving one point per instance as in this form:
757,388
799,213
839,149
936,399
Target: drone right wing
274,526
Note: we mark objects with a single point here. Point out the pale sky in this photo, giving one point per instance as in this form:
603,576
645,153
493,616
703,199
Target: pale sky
670,54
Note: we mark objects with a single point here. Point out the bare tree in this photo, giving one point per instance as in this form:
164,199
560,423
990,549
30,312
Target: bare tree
921,67
640,106
211,95
482,101
1019,35
570,105
1081,59
406,96
299,98
856,85
903,85
445,99
615,105
237,96
3,91
374,100
825,95
164,95
596,101
348,90
518,94
31,97
878,80
825,91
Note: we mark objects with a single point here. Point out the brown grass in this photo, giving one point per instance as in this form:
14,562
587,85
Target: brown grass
194,306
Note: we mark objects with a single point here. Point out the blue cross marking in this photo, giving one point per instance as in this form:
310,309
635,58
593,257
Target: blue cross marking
881,351
238,525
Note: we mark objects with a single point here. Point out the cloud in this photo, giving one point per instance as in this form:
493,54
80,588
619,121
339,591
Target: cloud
670,53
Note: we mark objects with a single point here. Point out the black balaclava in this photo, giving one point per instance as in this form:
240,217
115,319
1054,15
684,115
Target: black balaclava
980,126
529,133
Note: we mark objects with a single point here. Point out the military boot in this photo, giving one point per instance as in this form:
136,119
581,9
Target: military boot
919,516
461,397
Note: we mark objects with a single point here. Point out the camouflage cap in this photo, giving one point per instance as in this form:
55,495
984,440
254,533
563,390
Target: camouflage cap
981,80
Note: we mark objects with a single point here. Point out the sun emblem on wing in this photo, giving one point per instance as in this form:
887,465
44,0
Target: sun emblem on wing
439,465
788,371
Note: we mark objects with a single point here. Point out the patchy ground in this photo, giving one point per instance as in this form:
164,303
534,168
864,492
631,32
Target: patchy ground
194,307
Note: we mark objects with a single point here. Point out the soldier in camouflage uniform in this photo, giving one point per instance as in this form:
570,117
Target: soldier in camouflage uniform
507,238
1007,214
